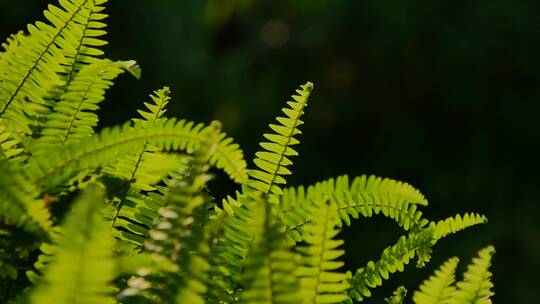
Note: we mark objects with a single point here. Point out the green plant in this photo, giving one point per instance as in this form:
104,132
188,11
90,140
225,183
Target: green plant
144,227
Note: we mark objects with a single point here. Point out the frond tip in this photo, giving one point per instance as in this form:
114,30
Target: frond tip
438,289
476,284
474,288
274,159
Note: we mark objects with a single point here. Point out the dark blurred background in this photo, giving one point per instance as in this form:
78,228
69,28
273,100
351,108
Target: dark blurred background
442,94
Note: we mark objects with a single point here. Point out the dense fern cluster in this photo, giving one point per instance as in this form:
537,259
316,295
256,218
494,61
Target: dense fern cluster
125,215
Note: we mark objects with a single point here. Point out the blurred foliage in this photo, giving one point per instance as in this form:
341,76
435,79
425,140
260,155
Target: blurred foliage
443,94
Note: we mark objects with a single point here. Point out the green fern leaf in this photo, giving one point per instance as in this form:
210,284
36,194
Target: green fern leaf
387,186
180,238
417,243
146,167
141,171
476,284
73,117
438,289
32,68
274,159
83,266
365,196
155,109
229,254
319,278
457,223
132,222
18,203
88,41
52,171
393,258
268,275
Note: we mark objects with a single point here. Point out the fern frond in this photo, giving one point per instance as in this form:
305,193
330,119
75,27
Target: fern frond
391,187
180,238
155,109
82,267
272,162
417,243
456,223
135,213
476,284
268,276
88,41
53,170
365,196
438,289
229,254
393,258
32,68
18,203
73,117
142,170
132,222
147,166
320,280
